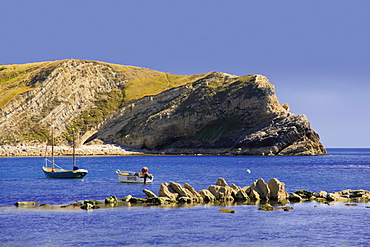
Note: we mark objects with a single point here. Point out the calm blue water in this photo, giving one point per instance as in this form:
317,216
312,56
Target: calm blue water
22,179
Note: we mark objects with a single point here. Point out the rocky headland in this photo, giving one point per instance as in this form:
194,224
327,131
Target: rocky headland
270,196
146,110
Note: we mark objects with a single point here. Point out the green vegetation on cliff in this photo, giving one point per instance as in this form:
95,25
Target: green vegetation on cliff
132,83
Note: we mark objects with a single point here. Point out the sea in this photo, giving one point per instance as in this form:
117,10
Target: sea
307,224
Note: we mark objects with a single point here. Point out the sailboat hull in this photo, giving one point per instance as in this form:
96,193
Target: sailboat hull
61,173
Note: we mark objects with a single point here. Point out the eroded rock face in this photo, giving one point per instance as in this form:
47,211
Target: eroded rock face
277,190
65,92
221,192
216,113
242,116
261,188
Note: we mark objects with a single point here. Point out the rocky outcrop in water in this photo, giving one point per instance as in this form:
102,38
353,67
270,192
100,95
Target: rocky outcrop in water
222,192
172,194
142,109
323,196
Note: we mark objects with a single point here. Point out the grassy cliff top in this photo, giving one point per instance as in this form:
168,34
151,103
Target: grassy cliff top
19,78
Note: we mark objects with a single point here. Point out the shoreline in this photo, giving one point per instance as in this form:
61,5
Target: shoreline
85,150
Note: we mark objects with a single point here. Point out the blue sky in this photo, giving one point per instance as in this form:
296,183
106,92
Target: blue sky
315,52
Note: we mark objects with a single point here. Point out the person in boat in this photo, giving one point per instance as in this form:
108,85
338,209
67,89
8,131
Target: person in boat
144,173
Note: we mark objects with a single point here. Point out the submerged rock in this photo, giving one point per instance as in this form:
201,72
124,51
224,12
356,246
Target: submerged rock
266,207
225,210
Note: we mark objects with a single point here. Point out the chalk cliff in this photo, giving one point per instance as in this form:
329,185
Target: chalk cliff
212,113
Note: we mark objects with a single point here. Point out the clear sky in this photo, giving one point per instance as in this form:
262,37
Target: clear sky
315,52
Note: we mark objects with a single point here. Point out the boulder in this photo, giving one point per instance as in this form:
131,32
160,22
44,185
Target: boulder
111,199
293,197
223,194
184,200
159,201
87,206
207,196
277,190
361,195
322,194
254,196
226,210
261,188
239,194
93,202
266,207
306,195
222,182
196,196
127,198
179,189
165,192
149,194
235,187
33,203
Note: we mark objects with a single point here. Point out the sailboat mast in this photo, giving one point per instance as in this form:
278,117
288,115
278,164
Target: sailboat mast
74,149
52,147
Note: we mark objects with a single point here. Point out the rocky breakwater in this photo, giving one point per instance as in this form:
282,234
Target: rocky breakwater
174,194
274,190
323,196
218,114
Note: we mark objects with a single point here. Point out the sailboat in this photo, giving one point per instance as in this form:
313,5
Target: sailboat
56,171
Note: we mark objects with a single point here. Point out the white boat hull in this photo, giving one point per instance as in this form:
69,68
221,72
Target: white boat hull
130,177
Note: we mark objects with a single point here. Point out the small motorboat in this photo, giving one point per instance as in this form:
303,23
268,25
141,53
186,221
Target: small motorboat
134,177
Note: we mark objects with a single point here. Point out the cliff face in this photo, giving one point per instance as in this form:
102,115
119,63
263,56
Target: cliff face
219,114
213,113
64,93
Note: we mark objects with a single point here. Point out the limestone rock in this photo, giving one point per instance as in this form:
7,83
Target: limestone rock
207,196
222,193
266,207
322,194
221,182
277,190
293,197
165,192
235,187
149,194
111,199
306,195
226,210
19,204
87,206
261,188
180,190
196,196
348,195
239,193
254,196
